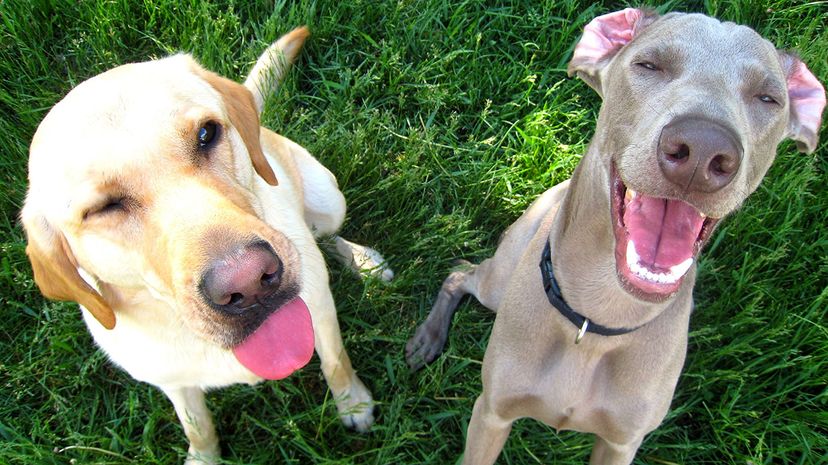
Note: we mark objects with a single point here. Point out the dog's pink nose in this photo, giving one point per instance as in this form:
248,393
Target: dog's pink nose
698,154
242,278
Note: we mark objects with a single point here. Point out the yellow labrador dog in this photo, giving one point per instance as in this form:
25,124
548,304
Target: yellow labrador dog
186,232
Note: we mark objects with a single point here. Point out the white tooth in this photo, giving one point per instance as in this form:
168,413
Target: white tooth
642,272
632,255
679,270
636,268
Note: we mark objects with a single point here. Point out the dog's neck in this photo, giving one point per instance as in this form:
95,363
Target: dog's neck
583,253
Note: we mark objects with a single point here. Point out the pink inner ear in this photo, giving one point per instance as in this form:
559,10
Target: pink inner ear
604,35
807,97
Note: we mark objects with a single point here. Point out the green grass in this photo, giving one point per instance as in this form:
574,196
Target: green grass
442,122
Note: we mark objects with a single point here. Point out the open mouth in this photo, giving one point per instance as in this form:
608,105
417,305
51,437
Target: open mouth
657,240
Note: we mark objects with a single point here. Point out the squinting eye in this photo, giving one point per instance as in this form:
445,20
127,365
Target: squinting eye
113,205
766,99
648,65
207,134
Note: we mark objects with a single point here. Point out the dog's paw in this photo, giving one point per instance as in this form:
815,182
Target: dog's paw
356,407
208,457
375,265
363,260
199,461
426,344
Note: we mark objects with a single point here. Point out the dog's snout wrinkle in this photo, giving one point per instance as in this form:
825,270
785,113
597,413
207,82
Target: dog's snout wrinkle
698,154
243,278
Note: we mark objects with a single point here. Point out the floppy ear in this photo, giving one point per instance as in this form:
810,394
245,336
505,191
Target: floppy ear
245,118
807,100
603,38
56,273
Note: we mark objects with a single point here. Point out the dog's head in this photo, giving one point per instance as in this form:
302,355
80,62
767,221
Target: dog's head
145,179
693,112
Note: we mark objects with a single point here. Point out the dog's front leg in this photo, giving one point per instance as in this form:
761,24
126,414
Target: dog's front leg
198,424
353,399
608,453
486,435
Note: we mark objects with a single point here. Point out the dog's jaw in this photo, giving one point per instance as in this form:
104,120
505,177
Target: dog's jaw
652,271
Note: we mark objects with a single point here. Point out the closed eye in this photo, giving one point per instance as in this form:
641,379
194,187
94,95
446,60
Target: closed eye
110,206
765,98
648,65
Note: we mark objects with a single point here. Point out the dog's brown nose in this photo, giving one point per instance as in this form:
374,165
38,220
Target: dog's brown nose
243,278
699,154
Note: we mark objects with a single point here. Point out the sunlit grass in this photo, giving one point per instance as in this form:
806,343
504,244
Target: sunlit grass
442,121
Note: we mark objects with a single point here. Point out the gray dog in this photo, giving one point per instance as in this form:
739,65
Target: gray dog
593,284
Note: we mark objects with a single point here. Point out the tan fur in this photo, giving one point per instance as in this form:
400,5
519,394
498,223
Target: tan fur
616,387
272,64
242,112
126,210
56,274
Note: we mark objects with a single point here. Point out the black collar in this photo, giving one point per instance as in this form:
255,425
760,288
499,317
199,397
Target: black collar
553,293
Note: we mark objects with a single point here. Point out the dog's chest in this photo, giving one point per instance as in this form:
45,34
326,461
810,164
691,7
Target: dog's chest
152,346
594,386
583,391
582,387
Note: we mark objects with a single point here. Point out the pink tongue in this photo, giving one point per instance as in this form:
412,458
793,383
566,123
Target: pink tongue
281,345
664,231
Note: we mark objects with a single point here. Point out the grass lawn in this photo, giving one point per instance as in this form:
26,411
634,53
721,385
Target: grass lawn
442,121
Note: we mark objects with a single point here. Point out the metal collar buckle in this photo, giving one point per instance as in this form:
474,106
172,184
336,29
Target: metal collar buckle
582,331
555,297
